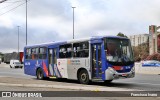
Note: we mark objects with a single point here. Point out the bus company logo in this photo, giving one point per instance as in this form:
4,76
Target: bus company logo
37,64
6,94
75,62
27,63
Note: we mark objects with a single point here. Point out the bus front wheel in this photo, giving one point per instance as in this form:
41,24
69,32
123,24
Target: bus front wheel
40,74
83,77
107,81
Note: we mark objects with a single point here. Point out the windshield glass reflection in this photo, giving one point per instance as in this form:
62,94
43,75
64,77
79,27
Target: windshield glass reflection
118,50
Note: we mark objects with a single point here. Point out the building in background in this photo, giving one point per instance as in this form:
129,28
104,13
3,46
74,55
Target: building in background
139,39
154,39
13,56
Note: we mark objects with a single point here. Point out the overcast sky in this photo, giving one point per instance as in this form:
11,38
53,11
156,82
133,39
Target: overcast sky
51,20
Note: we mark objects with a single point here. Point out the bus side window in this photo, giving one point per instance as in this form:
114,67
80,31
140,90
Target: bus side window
76,49
85,49
65,51
69,51
81,49
42,53
36,53
74,52
33,53
62,52
28,53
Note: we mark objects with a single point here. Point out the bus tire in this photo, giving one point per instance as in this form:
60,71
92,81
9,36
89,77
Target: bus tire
107,81
40,74
83,77
10,66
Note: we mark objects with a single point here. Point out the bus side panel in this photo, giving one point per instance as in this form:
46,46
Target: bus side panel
31,67
73,65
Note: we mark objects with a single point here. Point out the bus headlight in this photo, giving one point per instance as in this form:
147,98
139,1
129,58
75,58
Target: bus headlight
133,69
111,69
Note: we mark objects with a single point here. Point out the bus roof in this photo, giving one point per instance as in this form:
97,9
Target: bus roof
110,36
47,44
76,40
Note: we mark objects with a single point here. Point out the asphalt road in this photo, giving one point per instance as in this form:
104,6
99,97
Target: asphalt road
139,82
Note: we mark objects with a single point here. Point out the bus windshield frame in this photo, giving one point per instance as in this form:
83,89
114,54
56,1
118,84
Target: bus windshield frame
118,51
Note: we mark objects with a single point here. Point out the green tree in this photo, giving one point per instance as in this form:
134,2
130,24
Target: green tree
121,34
141,51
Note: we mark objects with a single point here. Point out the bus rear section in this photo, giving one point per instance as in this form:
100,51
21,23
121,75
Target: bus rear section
36,61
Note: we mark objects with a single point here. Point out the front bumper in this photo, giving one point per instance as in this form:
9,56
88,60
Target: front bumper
111,75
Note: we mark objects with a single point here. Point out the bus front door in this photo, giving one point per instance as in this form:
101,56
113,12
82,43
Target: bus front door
96,61
52,61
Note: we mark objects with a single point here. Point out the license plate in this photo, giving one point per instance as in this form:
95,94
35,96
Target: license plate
124,74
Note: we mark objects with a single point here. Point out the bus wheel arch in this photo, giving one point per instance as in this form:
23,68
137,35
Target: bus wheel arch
83,76
39,73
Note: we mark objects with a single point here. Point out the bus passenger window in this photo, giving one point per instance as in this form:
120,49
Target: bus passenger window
76,49
81,49
62,52
33,53
69,52
36,53
42,53
65,51
28,53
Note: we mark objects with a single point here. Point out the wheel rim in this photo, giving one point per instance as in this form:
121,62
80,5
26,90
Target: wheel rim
40,75
84,77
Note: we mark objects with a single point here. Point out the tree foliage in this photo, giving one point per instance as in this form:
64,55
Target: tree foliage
121,35
155,56
141,52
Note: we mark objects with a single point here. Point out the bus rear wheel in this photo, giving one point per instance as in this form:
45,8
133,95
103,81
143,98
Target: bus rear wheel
83,77
40,74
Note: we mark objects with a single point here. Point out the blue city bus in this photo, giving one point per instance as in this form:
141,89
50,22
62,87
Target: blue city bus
98,58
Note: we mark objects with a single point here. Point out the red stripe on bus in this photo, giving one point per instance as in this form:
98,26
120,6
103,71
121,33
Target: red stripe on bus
117,67
45,68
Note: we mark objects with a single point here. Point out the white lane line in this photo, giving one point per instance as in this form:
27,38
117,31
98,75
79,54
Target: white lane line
140,83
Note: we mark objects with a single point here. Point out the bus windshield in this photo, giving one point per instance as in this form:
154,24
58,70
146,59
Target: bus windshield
118,51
